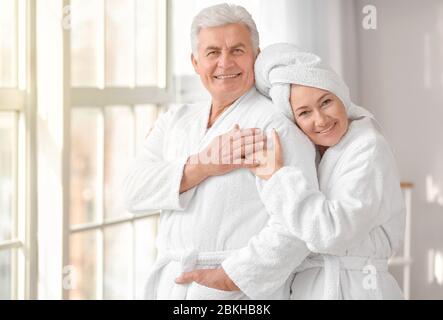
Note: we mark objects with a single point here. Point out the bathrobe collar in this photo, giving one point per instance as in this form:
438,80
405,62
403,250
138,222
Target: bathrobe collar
207,133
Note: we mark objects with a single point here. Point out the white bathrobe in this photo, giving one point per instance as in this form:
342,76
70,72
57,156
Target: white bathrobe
352,224
205,225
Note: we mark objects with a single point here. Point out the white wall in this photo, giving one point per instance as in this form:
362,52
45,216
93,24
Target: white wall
323,27
401,81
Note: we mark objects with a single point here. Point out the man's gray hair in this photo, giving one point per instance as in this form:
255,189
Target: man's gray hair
221,15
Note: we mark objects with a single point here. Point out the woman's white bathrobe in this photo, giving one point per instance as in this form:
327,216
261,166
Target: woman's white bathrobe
352,224
205,225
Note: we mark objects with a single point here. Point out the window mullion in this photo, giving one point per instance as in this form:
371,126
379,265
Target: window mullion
134,43
133,230
67,145
28,225
100,264
15,264
102,213
133,262
11,244
102,72
110,223
22,45
16,176
12,99
16,32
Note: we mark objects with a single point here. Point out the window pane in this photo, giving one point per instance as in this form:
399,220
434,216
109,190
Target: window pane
120,43
131,40
118,262
7,175
119,140
8,44
145,251
83,257
145,116
149,30
5,275
86,165
87,43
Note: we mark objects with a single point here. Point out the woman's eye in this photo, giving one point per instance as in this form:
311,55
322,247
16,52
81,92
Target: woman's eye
304,113
326,102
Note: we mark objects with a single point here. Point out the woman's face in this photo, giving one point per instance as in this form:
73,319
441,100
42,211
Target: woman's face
319,114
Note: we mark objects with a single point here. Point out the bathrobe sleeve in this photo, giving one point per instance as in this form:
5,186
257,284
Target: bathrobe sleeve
153,183
341,219
266,263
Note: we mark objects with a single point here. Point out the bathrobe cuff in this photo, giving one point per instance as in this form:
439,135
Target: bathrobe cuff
245,274
167,195
286,177
180,201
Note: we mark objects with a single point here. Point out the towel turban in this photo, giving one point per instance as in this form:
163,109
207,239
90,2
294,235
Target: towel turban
282,64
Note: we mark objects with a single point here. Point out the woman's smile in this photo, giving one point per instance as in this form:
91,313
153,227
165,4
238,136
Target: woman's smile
328,130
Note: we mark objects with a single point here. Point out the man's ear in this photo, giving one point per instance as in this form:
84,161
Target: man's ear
258,52
194,63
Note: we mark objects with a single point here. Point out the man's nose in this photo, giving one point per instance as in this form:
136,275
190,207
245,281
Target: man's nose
226,60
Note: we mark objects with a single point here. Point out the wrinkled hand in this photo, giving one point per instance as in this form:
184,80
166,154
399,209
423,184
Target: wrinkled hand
270,160
211,278
231,151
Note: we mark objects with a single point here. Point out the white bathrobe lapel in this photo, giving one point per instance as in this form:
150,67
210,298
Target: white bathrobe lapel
329,163
219,126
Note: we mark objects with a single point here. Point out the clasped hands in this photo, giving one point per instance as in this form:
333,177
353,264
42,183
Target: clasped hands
240,149
237,149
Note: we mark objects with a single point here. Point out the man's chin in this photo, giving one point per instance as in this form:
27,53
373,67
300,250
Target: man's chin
227,90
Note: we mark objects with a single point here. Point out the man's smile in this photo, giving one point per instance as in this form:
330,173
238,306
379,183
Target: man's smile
227,76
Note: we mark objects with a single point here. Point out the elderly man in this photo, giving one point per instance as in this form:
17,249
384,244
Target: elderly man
195,169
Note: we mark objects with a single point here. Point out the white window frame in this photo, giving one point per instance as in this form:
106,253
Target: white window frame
100,98
21,100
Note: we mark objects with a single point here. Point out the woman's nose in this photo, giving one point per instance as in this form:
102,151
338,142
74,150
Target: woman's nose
320,119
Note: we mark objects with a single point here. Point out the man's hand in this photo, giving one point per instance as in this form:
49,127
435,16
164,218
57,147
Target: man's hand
211,278
270,160
231,151
228,152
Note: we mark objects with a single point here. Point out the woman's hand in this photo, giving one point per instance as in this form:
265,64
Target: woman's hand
269,161
211,278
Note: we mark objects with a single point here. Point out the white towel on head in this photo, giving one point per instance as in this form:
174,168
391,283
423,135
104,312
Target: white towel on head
282,64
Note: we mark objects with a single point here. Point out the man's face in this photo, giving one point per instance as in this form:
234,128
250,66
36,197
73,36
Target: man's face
225,61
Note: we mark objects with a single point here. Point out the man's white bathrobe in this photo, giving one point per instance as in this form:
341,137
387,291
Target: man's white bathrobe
205,225
352,224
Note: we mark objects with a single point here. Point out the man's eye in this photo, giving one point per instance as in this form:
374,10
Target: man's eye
210,53
238,51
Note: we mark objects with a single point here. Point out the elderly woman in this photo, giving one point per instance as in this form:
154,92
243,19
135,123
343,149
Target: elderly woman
353,221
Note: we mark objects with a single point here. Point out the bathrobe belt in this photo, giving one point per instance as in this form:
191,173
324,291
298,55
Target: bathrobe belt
189,260
334,264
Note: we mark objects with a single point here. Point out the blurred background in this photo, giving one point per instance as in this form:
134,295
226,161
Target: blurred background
82,82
